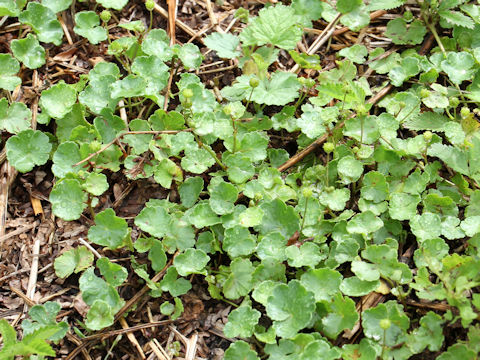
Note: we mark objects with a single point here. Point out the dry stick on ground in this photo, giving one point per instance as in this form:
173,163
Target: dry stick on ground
179,23
131,337
44,230
172,16
320,40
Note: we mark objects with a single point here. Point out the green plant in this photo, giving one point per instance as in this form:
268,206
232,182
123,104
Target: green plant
37,333
302,238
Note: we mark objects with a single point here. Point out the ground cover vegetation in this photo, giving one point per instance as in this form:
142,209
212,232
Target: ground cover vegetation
324,188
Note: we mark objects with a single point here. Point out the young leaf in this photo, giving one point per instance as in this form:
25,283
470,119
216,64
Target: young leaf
291,308
175,286
29,51
58,100
43,21
277,216
87,24
157,43
109,230
190,56
99,316
275,25
27,149
68,199
401,34
189,191
192,261
240,350
14,118
241,322
74,260
392,313
459,66
224,44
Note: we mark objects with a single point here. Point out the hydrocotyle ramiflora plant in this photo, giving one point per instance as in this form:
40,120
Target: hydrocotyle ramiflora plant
388,207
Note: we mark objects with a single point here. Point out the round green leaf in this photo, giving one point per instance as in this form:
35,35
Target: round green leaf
197,160
192,261
99,316
277,216
349,169
240,281
74,260
14,118
224,44
68,199
222,197
189,191
28,51
238,242
157,255
364,223
240,350
27,149
341,315
153,220
43,21
241,322
58,100
291,308
391,311
175,286
129,86
66,155
157,43
114,274
57,5
190,56
87,24
323,283
109,230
